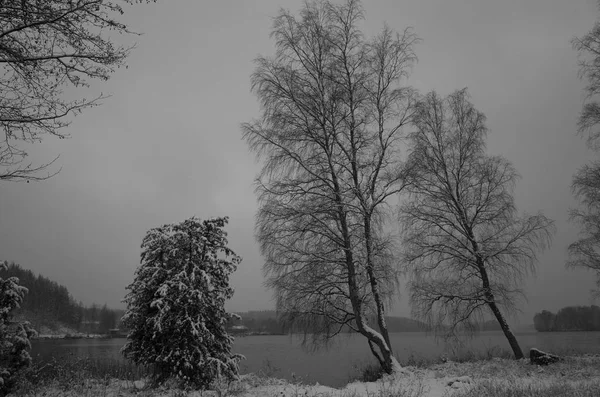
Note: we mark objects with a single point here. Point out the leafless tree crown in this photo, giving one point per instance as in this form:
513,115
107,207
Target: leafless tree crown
584,252
46,46
464,242
588,49
333,120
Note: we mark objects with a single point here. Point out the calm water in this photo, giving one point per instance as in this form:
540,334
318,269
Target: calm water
283,357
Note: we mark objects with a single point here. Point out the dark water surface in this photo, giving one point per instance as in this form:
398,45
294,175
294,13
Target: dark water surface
283,356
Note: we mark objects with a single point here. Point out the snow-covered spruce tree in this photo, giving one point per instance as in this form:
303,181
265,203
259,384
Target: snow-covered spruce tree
14,335
175,305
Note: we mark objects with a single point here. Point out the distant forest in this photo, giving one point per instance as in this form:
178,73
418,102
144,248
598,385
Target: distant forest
571,318
267,321
49,304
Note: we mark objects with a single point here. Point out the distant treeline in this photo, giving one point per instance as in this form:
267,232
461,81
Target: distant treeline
50,304
571,318
260,321
267,321
402,324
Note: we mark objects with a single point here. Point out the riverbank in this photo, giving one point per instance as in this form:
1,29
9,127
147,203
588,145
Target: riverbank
575,375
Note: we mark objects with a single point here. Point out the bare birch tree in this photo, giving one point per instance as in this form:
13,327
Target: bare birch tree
466,246
585,251
333,118
46,46
588,49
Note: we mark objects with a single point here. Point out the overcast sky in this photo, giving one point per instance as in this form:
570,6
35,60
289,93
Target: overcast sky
167,144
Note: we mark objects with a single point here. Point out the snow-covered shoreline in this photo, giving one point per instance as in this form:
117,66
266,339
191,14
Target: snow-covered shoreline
438,380
249,385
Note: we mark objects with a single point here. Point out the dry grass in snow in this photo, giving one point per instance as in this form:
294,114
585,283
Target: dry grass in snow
575,376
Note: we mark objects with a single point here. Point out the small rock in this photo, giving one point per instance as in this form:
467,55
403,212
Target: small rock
539,357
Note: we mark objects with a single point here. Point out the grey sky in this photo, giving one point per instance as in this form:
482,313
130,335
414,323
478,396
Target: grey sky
167,144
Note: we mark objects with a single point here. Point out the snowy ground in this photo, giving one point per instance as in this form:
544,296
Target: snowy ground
419,384
491,378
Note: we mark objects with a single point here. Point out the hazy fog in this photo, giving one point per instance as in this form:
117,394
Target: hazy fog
167,144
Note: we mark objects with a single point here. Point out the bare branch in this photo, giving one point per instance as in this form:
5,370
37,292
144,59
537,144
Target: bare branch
588,49
46,46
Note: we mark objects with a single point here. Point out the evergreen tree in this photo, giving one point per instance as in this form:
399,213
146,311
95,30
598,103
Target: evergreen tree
175,305
14,336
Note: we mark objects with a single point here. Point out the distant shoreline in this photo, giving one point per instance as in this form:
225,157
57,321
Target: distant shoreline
78,336
243,335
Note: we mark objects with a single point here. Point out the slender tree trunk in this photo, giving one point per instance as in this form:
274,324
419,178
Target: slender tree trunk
491,301
390,363
374,283
377,356
512,340
386,359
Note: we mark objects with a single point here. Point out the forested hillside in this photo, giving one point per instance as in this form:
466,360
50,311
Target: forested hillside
50,305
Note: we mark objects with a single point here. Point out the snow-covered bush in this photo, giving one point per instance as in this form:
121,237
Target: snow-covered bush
175,305
14,335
